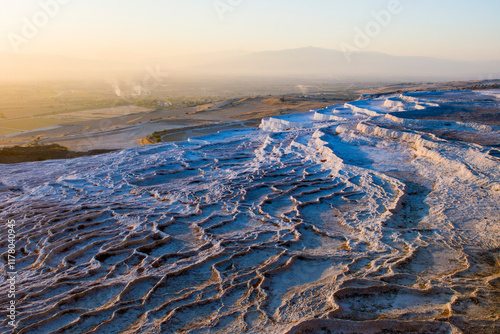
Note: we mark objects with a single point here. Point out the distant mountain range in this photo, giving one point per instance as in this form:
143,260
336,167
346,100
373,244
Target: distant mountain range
325,63
309,62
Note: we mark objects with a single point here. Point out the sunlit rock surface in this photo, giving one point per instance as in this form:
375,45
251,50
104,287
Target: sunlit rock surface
349,219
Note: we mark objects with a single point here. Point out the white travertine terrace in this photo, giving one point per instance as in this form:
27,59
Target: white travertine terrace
348,218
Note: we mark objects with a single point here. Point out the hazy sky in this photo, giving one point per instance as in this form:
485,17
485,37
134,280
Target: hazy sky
133,29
